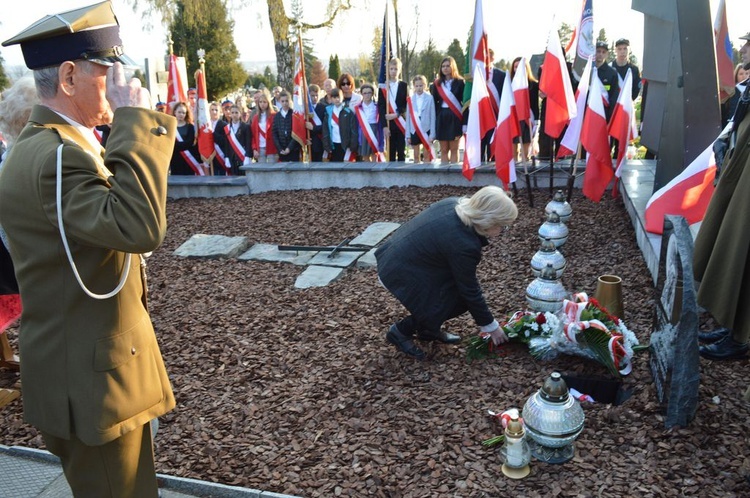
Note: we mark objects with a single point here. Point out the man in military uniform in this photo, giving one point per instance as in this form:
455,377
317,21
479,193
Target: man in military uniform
93,376
722,248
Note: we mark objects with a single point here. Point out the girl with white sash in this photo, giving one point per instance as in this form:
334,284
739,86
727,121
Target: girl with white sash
370,131
392,105
264,148
420,120
447,91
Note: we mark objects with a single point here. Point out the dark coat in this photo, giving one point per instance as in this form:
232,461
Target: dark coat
610,80
282,132
178,165
348,128
244,137
90,367
622,71
431,260
402,91
722,248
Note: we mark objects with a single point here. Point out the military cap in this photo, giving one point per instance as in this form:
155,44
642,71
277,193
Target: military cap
602,44
746,37
88,33
622,41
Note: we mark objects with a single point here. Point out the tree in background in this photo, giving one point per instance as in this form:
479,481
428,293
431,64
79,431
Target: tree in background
455,51
265,80
317,74
4,81
278,19
205,24
565,32
334,67
428,62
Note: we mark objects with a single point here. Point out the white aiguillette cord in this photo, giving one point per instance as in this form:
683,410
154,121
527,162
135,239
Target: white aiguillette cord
58,194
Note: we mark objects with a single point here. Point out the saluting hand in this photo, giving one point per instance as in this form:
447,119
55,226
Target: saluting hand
122,94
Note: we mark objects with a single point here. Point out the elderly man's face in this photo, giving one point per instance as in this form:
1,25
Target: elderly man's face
89,96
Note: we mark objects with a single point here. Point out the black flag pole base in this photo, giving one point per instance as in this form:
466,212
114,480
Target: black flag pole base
571,182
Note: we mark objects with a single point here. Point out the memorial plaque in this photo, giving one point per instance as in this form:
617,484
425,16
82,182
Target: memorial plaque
673,351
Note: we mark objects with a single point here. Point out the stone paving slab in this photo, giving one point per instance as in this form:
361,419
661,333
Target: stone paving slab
374,234
270,252
317,276
340,259
368,260
212,246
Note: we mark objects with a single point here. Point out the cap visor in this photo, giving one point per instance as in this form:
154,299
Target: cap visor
110,61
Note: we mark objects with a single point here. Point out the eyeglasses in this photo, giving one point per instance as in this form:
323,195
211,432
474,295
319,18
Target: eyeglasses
346,83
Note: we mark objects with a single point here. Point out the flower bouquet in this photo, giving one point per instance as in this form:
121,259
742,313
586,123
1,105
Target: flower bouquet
584,328
589,330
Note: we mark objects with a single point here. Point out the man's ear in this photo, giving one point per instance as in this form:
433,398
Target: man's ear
66,74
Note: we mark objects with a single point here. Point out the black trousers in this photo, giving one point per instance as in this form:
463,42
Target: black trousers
452,307
397,144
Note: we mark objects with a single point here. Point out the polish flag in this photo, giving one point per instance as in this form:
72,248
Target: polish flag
687,195
520,86
506,130
596,141
622,126
176,82
299,116
572,137
203,120
481,120
478,54
724,64
555,83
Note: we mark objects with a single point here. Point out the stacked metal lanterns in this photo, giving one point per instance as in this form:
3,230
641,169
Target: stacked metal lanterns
546,292
559,205
554,230
548,254
553,420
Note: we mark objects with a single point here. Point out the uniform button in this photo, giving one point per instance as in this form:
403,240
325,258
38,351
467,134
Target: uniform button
132,350
161,131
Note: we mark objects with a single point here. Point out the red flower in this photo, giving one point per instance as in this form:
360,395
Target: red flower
541,319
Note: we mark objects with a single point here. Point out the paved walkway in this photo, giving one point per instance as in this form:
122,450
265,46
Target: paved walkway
32,473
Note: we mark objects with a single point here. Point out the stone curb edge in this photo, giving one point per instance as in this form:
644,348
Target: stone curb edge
178,484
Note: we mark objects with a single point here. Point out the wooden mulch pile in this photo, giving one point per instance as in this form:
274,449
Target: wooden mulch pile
296,391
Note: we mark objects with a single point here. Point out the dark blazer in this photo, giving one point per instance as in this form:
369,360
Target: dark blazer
431,259
610,80
622,71
282,132
402,91
90,367
457,89
498,79
178,165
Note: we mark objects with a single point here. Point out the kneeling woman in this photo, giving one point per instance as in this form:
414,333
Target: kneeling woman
430,265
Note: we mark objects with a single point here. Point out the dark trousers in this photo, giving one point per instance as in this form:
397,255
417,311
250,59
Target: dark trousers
316,155
430,325
121,468
487,153
292,157
337,154
397,143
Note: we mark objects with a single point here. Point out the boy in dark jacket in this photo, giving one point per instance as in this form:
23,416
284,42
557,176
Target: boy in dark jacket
282,131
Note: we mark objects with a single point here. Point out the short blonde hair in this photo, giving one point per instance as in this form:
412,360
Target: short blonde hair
15,107
489,208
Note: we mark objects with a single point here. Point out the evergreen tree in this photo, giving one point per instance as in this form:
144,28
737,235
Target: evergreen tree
429,61
205,24
334,67
317,74
565,32
4,81
455,51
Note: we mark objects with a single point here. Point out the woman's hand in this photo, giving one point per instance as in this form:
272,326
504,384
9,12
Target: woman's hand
498,336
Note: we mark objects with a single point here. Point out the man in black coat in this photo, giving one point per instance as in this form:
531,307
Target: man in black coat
608,77
429,264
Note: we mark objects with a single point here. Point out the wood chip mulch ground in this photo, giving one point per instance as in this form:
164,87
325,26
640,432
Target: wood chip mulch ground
296,391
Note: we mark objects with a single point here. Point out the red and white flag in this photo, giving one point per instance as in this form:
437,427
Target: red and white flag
506,130
687,195
572,137
594,138
723,45
520,86
555,83
481,120
622,125
203,120
479,56
176,82
299,116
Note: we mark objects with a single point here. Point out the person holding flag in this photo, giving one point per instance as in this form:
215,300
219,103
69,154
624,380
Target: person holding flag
447,91
392,107
527,106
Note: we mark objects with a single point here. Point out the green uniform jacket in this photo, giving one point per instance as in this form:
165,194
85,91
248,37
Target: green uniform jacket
89,367
722,246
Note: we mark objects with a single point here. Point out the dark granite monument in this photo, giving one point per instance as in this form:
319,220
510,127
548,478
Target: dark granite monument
674,339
